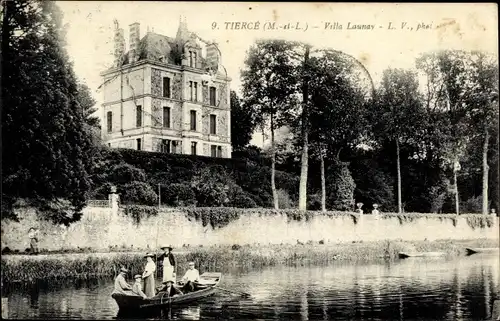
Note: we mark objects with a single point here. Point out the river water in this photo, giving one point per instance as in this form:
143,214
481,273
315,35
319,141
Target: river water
411,289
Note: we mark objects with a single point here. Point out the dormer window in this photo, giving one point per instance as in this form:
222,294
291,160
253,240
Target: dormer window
192,58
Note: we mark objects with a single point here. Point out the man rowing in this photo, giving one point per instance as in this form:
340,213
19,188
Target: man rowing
191,277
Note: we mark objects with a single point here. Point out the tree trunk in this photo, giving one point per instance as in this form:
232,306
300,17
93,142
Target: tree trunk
398,164
323,184
485,170
305,143
6,31
455,183
273,166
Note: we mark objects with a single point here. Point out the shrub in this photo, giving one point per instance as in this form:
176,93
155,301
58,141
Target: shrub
473,205
314,202
138,193
212,185
125,173
178,195
6,250
138,212
288,183
241,199
216,217
341,188
102,192
284,200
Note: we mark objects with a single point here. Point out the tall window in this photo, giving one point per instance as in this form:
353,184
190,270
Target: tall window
193,119
192,59
165,146
139,147
193,148
138,116
213,151
166,117
109,118
219,151
166,87
213,124
195,90
175,144
212,96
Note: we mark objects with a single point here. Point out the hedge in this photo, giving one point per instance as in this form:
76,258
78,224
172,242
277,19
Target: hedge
218,217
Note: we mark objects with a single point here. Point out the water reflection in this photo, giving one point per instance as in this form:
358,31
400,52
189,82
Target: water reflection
412,289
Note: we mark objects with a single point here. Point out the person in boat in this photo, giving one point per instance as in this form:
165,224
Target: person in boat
121,285
149,276
190,278
137,287
168,263
170,288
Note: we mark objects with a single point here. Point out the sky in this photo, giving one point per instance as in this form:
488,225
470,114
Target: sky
442,26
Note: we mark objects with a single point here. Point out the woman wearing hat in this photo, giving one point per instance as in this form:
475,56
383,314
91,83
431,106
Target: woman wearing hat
121,285
168,262
137,287
149,276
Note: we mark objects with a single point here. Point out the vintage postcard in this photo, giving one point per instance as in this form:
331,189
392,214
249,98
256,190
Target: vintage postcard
250,160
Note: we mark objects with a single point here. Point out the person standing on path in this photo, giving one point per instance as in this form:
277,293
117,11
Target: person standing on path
33,235
168,263
149,276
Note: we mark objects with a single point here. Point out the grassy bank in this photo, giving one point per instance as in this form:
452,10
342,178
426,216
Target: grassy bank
19,268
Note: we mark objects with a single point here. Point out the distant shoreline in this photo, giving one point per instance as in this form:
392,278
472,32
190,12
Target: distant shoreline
29,268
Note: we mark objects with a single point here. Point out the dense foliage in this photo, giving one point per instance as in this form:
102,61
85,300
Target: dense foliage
187,180
423,140
47,153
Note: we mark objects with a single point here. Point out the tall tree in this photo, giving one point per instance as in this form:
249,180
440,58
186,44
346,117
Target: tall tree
304,132
270,87
47,157
336,115
242,123
484,109
87,105
396,111
454,76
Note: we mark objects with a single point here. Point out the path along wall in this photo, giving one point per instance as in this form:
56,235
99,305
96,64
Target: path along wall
104,227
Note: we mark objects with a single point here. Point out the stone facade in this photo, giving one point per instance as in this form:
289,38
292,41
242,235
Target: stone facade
134,101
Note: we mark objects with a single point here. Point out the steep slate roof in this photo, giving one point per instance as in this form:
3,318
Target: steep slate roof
155,46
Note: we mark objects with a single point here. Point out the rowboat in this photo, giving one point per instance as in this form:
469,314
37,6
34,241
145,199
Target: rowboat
475,250
206,287
404,255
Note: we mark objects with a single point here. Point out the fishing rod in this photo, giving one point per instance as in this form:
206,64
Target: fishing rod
157,232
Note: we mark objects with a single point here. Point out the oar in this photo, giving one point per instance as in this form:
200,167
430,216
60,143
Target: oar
247,295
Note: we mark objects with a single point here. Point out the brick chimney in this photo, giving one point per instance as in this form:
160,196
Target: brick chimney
134,36
119,41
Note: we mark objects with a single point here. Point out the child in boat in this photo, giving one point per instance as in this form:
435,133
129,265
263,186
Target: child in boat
170,288
137,287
